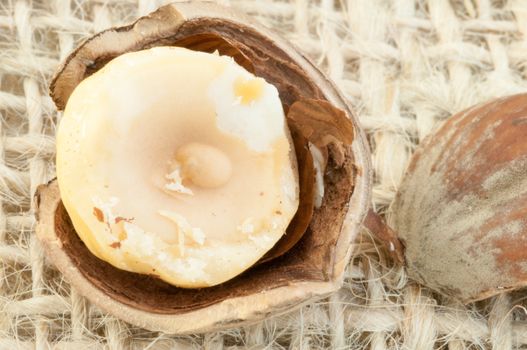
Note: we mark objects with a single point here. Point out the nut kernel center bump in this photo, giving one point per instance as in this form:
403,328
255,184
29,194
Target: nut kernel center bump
203,165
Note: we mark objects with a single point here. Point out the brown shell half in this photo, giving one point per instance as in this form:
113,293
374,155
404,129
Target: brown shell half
313,268
461,210
320,123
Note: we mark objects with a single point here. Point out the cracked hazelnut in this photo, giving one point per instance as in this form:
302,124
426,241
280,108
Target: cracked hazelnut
332,164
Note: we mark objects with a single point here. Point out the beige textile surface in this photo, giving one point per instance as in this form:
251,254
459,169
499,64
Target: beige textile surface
406,65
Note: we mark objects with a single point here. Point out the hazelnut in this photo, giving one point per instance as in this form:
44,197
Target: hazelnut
461,210
305,263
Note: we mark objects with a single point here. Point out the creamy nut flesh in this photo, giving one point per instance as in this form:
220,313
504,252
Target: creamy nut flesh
177,163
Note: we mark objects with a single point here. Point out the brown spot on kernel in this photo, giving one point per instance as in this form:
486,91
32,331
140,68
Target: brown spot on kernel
278,212
98,214
115,245
120,218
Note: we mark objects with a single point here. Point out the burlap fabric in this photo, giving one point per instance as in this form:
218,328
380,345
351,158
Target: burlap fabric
405,65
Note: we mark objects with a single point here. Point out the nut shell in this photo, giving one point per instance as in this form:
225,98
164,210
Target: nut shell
461,210
312,269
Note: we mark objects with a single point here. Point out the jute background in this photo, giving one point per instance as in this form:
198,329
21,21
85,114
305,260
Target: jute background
406,65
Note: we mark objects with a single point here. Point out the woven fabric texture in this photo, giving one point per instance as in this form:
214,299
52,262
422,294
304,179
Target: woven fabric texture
405,65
